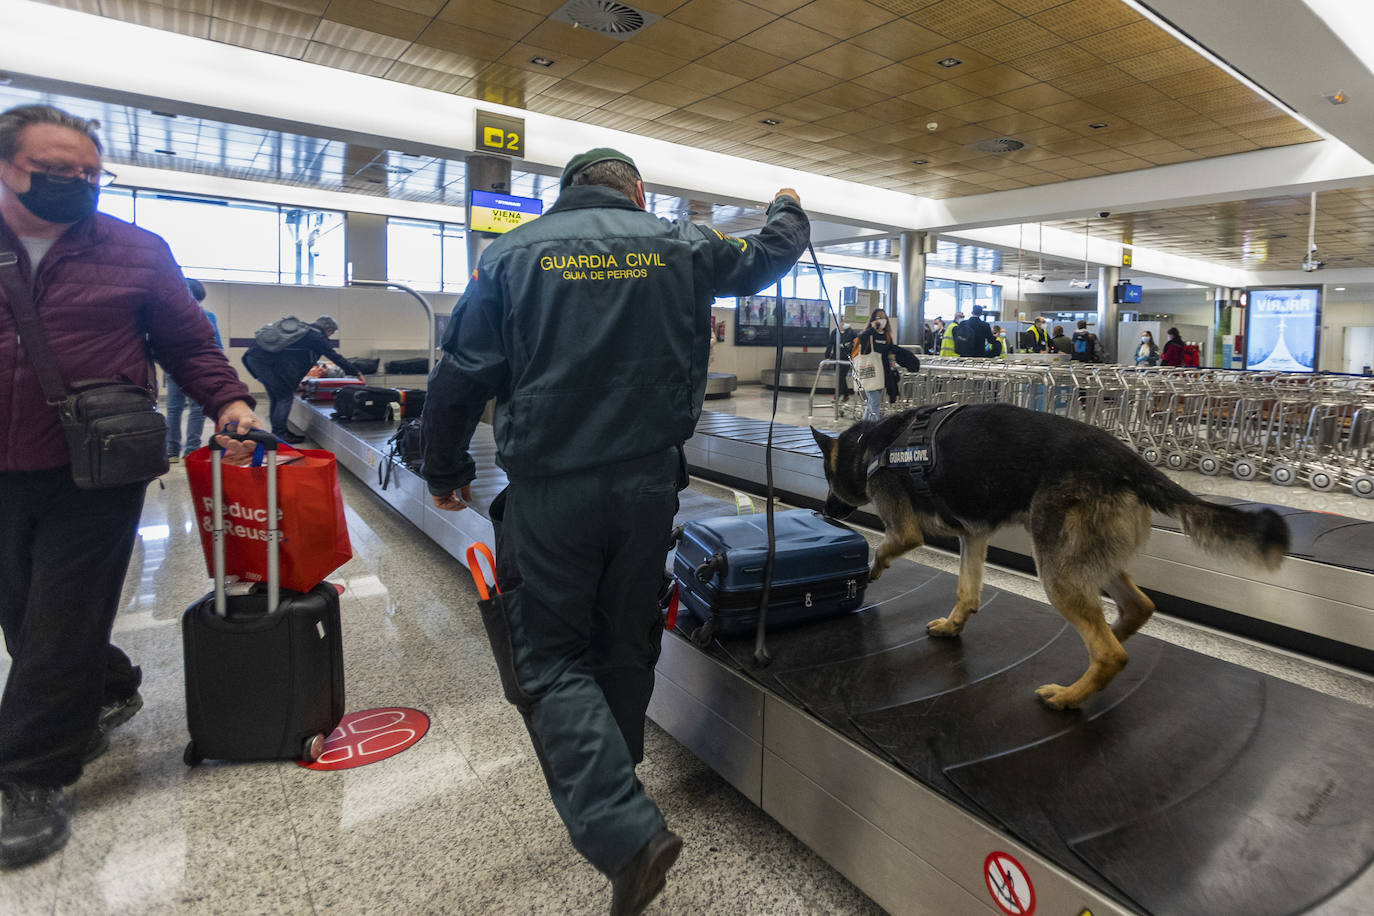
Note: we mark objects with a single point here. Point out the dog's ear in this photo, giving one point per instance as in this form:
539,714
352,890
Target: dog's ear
828,444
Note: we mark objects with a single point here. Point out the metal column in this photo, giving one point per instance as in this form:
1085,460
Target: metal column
911,289
484,173
1108,315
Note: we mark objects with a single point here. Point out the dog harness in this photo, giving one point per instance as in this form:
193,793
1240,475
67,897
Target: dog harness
913,450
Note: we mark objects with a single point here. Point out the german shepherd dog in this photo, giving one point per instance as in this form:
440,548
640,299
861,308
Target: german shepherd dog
1084,497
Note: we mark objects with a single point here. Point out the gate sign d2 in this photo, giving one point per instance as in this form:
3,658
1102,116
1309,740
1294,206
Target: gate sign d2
1009,885
500,134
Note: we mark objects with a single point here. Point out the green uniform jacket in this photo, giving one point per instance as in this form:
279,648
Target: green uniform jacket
589,325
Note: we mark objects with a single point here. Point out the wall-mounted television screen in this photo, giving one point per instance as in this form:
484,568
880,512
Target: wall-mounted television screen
1281,329
805,323
491,212
1127,292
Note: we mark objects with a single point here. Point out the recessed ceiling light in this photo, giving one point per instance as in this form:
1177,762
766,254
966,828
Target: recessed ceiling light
1338,98
541,62
949,62
771,122
1098,125
1340,289
920,162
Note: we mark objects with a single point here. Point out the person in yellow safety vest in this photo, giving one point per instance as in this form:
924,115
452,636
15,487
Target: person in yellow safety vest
1001,337
947,339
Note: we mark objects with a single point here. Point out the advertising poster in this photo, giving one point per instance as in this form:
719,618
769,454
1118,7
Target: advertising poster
805,322
1281,333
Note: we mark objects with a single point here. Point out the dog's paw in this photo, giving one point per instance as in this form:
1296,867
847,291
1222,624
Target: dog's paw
875,572
1055,697
941,626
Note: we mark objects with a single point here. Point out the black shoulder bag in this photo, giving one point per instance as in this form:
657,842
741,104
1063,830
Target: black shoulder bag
115,435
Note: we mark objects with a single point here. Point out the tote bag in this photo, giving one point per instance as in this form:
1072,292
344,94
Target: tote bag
314,534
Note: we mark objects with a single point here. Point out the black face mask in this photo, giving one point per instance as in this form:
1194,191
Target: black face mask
59,201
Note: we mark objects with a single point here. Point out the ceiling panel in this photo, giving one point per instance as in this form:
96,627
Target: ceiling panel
865,73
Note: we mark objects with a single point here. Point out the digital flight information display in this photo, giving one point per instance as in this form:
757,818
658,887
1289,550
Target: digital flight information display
492,212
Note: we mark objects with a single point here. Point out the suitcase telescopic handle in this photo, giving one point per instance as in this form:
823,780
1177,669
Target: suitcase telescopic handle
269,444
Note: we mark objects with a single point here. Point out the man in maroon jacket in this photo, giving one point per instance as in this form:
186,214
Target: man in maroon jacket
104,290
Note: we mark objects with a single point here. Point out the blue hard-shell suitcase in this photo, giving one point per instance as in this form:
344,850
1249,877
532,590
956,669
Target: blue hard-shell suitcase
820,569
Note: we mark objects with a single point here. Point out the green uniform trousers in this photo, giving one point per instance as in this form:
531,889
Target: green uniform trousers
580,560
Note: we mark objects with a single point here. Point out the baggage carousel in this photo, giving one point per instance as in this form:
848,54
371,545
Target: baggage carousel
1320,602
926,772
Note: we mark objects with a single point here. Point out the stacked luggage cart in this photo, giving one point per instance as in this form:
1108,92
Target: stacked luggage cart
1293,428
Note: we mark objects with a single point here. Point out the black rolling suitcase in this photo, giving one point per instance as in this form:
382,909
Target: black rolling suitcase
264,670
820,569
364,402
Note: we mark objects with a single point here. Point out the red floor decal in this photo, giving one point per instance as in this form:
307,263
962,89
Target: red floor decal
371,735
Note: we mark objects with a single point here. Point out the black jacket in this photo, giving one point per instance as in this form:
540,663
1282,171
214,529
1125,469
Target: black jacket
588,325
297,358
982,336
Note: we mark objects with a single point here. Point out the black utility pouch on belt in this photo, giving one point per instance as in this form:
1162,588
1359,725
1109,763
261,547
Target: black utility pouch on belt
115,435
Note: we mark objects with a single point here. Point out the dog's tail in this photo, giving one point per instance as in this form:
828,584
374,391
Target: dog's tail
1259,537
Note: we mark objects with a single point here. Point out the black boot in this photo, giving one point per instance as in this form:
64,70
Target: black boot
36,823
640,881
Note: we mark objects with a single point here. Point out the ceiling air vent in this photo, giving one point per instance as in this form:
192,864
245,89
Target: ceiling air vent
998,145
605,17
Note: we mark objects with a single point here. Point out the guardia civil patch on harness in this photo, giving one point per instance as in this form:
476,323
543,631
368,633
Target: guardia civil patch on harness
908,456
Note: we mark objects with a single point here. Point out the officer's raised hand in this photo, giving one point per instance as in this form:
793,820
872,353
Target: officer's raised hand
456,500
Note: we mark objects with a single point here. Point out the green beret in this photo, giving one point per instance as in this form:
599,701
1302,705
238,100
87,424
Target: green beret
592,157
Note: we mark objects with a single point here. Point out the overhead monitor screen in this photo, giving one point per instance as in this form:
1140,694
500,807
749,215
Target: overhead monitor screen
805,323
491,212
1281,329
1128,292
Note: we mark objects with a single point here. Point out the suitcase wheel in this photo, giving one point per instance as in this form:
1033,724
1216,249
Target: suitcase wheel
191,756
704,634
313,747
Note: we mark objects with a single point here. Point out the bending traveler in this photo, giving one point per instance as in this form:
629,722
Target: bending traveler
590,437
281,354
102,291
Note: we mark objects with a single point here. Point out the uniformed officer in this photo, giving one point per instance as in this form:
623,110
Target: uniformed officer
588,325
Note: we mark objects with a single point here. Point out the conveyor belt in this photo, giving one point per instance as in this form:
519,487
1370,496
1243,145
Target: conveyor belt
1321,602
1190,785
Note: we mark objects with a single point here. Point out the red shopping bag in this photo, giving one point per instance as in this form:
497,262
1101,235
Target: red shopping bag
314,535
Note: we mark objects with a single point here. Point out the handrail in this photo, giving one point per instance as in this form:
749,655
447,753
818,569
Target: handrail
424,303
820,368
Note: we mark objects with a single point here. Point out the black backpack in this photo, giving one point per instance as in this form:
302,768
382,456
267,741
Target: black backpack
964,338
363,402
407,448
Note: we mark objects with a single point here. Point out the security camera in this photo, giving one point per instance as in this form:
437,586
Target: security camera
1081,284
1103,214
1034,278
1313,263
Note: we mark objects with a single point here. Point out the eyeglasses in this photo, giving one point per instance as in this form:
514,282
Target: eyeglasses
63,174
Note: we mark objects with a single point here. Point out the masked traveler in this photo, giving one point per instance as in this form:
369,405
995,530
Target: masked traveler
590,437
99,292
177,402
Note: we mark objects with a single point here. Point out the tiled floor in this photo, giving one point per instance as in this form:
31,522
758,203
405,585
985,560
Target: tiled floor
460,823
